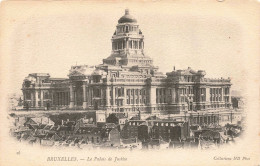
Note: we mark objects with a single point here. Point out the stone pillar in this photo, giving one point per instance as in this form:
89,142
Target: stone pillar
229,97
84,96
62,98
134,97
222,95
173,95
127,44
71,97
207,94
58,99
42,98
152,96
32,99
36,98
108,96
125,97
167,95
114,96
89,98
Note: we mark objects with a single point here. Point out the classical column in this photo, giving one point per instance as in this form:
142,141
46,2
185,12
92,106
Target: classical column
173,95
152,96
107,97
84,96
138,96
133,97
124,44
114,96
222,94
36,98
61,96
67,98
127,44
71,96
167,95
125,96
32,99
58,99
91,95
207,94
42,98
229,96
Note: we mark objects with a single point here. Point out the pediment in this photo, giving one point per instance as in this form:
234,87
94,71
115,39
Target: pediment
75,73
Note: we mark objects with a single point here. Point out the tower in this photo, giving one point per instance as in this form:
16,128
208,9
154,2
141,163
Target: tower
128,44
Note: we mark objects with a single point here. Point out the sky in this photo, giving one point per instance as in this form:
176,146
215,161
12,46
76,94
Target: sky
50,38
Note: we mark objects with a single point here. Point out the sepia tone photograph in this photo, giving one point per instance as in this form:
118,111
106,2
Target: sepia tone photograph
129,83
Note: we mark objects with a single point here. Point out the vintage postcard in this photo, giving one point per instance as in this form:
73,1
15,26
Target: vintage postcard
129,82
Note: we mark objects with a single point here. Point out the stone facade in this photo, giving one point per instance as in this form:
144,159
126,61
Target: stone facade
127,81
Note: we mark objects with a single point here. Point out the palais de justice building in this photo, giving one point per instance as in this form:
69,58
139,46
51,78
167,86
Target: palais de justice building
127,81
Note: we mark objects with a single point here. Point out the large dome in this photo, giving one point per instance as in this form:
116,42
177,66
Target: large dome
127,18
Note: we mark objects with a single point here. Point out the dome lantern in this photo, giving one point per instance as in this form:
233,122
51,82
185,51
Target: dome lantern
127,18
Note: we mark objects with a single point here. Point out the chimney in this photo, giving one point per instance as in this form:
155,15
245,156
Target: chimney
173,68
